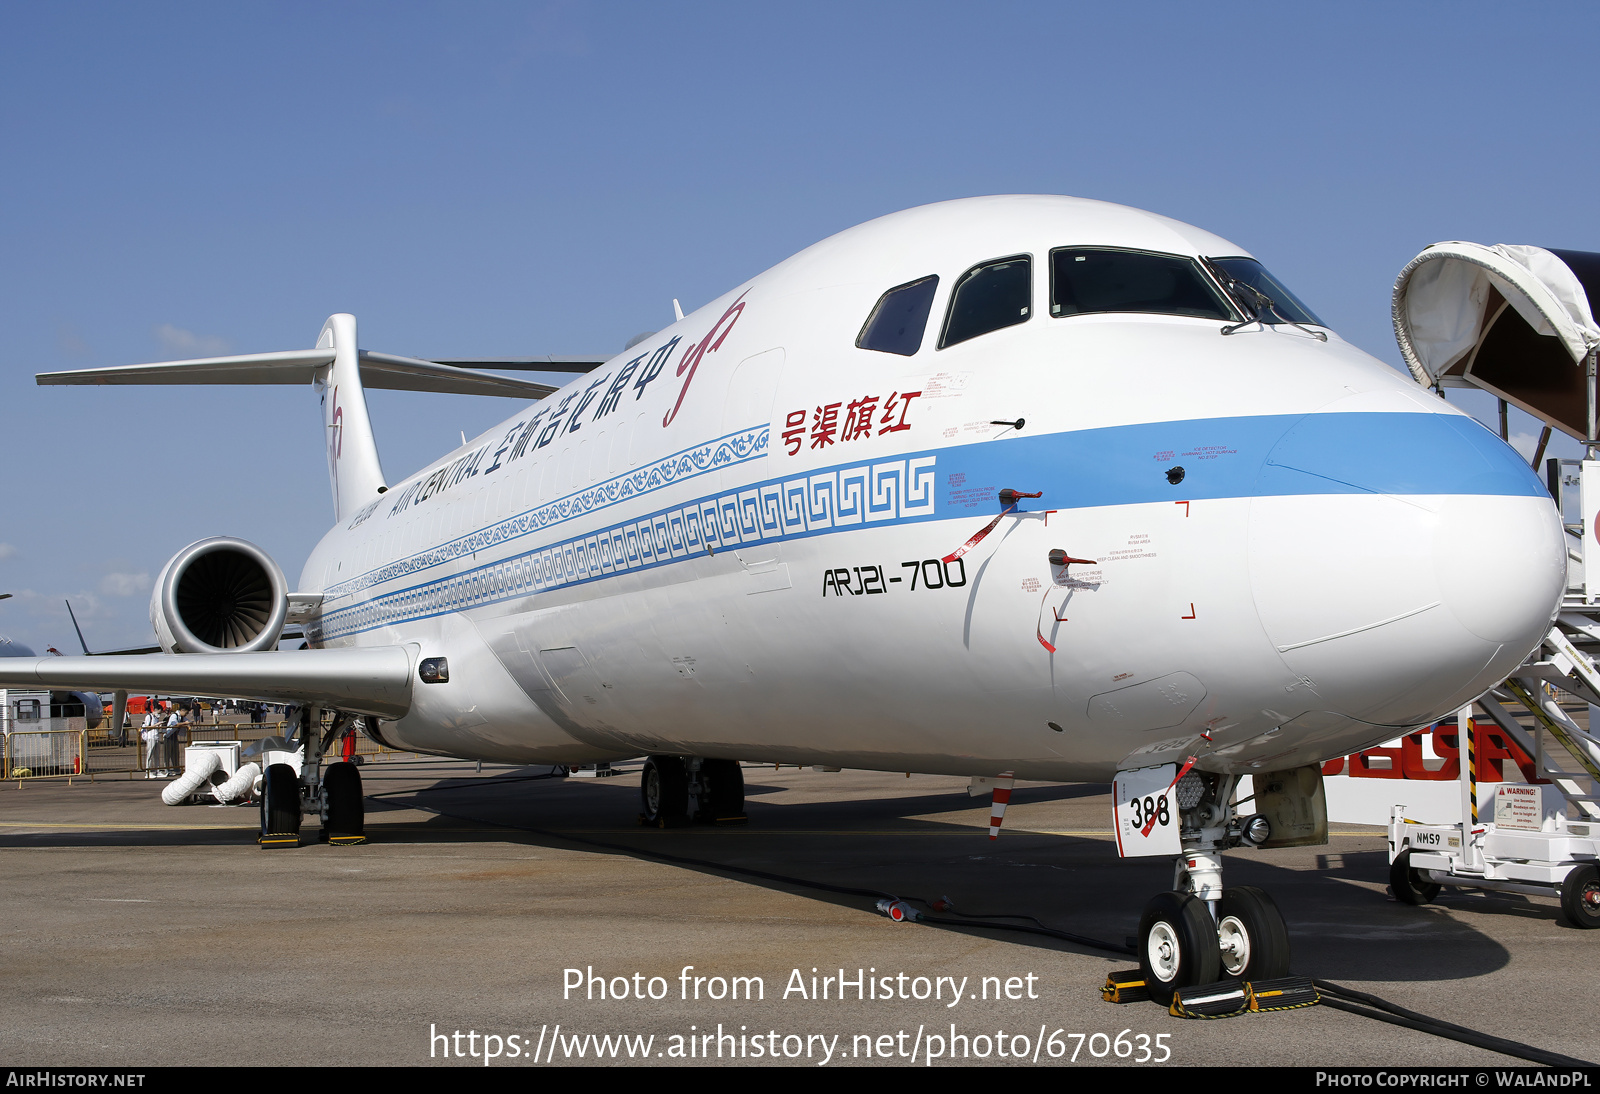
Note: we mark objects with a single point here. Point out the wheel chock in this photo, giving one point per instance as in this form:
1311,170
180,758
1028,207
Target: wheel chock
273,841
1125,987
1224,999
1286,993
345,841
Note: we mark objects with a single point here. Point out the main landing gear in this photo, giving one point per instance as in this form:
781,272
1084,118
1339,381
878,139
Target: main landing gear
1201,933
677,789
331,793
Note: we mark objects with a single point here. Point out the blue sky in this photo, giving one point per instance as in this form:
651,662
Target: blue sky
501,179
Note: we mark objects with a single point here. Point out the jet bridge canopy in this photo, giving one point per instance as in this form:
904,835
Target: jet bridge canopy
1513,320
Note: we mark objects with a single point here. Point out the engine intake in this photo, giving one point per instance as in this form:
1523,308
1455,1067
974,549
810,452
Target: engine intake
219,595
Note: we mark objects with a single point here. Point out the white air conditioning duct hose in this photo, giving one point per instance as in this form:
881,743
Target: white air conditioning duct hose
199,772
241,785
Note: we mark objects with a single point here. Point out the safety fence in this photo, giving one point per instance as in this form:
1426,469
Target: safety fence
54,748
43,753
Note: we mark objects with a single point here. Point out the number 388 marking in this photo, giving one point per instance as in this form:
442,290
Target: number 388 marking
1149,807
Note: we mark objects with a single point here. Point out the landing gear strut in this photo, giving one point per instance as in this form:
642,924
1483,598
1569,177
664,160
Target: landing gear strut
675,789
334,795
1200,933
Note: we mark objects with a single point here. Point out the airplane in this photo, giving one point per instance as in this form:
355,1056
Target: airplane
1013,487
62,704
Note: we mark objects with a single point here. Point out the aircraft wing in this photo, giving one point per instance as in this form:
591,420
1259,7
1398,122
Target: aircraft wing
364,680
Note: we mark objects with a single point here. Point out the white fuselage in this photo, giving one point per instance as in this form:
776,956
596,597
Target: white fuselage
653,560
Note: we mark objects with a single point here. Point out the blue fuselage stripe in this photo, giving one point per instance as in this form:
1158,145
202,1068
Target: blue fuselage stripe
1260,456
1257,456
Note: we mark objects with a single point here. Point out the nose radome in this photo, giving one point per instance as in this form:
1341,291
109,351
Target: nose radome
1402,562
1399,610
1501,565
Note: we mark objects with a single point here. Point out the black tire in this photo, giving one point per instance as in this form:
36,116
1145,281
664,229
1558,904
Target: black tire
1177,945
664,792
1249,920
1580,897
1408,884
346,812
280,806
724,793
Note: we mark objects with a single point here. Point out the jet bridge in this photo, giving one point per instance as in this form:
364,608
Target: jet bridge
1517,322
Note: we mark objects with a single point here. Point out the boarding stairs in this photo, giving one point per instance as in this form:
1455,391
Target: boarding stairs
1567,663
1518,322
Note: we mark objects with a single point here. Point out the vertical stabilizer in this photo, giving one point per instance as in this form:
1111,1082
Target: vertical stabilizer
354,472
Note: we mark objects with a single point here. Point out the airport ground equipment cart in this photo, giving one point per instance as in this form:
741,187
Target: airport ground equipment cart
1530,846
1559,862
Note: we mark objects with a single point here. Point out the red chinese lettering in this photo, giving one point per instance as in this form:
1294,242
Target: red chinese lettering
858,418
824,424
899,401
794,431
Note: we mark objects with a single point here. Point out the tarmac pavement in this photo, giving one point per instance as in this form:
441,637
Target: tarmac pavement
140,935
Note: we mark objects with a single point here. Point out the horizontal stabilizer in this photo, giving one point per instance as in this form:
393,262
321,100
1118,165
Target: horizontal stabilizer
386,370
363,680
549,363
378,370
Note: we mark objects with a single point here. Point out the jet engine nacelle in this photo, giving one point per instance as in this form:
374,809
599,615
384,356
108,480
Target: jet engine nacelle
219,595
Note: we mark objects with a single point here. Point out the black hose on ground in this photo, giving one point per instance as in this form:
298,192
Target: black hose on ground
1371,1006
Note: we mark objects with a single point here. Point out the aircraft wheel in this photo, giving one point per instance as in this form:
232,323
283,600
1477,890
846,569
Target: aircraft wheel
1408,884
280,807
346,813
1251,935
664,792
1580,897
1177,945
725,782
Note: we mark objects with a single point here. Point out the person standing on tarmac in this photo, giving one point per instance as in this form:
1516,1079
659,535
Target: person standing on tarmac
169,745
151,736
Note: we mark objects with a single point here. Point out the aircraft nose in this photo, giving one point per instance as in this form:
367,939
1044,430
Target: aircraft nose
1397,608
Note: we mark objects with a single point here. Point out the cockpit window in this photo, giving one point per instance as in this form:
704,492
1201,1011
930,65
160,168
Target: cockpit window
988,297
897,323
1255,275
1086,280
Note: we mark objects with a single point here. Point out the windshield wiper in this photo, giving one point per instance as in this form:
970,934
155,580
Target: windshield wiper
1256,303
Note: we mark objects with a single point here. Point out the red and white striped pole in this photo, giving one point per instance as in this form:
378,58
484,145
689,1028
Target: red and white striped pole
997,805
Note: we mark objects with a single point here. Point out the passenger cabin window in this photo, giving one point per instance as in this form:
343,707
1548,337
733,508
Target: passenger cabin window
1089,280
1255,275
988,297
901,315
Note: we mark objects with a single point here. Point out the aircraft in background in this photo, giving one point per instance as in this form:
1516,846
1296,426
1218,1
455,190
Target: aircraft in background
62,704
1011,487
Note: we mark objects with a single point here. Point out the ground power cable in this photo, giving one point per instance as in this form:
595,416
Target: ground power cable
1333,995
1371,1006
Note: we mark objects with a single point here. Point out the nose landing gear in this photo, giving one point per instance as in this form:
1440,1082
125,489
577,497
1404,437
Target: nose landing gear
1201,933
1177,945
1251,934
